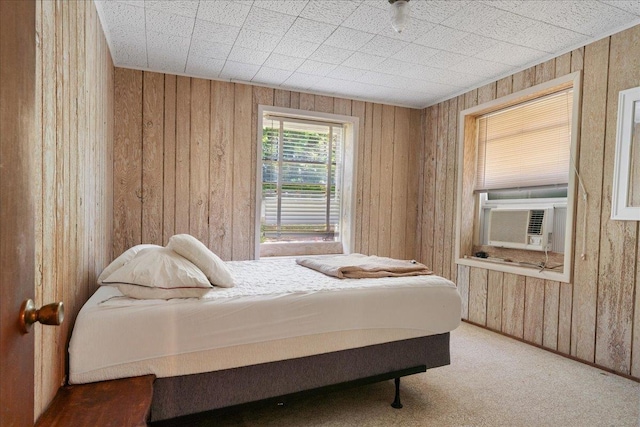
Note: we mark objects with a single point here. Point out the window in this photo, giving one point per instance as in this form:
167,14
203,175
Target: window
302,177
516,186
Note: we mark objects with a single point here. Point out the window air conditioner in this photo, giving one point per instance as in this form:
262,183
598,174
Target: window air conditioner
521,228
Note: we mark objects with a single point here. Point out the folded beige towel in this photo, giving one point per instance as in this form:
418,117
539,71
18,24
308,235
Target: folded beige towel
358,266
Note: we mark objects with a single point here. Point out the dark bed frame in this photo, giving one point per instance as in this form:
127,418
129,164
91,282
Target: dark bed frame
176,398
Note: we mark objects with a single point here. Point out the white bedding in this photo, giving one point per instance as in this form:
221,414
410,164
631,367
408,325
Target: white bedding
277,310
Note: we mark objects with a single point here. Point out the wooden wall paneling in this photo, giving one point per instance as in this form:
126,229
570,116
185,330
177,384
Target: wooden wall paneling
221,169
169,162
183,147
367,167
399,244
375,178
82,245
414,179
343,106
564,318
533,309
618,239
440,196
463,288
73,156
127,189
524,79
590,165
428,185
546,71
282,98
307,101
261,96
635,348
551,313
323,104
577,59
450,191
295,100
513,290
38,205
152,157
563,64
478,278
199,159
487,92
242,178
494,300
358,109
386,181
504,87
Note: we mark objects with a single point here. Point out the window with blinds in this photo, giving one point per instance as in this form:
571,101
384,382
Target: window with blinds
526,145
301,178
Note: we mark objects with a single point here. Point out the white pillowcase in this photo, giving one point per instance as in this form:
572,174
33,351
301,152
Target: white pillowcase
195,251
159,269
124,258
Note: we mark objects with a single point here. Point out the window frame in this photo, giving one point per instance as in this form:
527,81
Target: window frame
346,236
468,205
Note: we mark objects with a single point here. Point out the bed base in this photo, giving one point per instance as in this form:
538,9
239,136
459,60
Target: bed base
175,399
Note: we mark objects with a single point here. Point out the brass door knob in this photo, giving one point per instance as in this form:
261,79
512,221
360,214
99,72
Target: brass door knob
50,314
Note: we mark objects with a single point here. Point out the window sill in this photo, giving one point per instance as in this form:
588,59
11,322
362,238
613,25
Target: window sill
513,268
299,248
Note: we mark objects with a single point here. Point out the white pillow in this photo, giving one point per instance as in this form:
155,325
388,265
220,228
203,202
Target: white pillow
159,268
124,258
195,251
143,292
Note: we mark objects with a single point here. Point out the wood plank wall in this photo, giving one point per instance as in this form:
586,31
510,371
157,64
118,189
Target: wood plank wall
73,170
185,162
595,318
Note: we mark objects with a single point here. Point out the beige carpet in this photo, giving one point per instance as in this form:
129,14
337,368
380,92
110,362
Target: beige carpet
492,381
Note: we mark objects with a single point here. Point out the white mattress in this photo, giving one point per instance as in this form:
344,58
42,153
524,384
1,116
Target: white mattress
277,310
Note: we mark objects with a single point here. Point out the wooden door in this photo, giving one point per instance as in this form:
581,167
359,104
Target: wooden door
17,118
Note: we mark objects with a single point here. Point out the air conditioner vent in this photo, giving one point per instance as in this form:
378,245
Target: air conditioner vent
536,220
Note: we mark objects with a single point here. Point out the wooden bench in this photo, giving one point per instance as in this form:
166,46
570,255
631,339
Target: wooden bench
124,402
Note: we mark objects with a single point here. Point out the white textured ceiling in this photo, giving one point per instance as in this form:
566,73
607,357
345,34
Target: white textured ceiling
347,48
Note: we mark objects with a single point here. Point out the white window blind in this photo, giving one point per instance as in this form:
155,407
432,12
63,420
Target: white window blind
527,145
301,177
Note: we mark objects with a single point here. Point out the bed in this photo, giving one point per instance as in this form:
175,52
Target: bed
282,329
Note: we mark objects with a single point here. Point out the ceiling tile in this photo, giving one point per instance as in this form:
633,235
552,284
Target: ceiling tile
345,73
416,53
300,81
223,12
289,7
166,63
297,48
363,61
415,30
209,49
247,56
473,16
159,42
283,62
330,54
239,71
506,26
168,23
130,56
443,38
445,59
348,38
315,68
471,45
218,33
271,76
122,15
267,21
482,68
204,67
312,31
393,66
256,40
330,12
508,53
632,6
186,8
547,38
368,19
436,11
383,46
